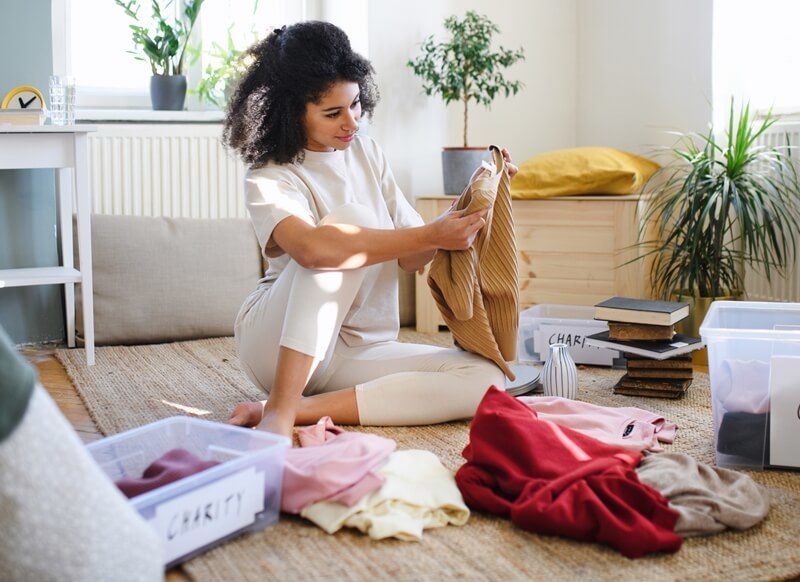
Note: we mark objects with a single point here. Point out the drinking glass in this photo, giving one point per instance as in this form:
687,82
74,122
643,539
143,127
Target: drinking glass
62,100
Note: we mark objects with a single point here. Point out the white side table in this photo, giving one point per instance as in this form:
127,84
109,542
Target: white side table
65,148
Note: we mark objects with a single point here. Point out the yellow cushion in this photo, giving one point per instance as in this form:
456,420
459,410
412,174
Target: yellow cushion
589,170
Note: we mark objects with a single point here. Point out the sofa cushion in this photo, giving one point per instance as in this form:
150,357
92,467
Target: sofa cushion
168,279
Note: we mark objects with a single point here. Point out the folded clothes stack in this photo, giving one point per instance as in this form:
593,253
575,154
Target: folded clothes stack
659,364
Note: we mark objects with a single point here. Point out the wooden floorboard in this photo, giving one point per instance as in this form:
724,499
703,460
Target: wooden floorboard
53,377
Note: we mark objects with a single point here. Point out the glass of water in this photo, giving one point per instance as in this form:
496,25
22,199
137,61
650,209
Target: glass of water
62,100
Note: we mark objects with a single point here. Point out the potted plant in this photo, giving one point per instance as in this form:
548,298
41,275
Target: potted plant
723,204
164,47
220,76
464,68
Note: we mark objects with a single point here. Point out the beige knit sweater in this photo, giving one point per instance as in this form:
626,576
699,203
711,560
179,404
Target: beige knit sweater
477,290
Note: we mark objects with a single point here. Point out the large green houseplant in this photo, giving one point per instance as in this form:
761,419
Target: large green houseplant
722,204
464,68
162,42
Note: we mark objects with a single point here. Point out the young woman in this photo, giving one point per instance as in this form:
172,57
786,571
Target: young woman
319,333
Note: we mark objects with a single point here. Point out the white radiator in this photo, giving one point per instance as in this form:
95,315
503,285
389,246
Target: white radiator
164,170
782,288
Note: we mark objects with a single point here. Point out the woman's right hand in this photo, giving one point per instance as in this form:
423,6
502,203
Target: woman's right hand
455,231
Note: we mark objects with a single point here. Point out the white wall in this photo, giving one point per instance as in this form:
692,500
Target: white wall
412,127
644,68
541,116
619,73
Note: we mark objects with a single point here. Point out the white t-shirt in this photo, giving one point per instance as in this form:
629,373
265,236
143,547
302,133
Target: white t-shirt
311,190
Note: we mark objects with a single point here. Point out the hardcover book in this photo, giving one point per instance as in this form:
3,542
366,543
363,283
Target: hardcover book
661,385
678,362
675,373
626,310
658,350
22,116
648,393
638,331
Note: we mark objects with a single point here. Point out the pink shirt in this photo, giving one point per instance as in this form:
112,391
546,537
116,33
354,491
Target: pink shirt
627,427
332,465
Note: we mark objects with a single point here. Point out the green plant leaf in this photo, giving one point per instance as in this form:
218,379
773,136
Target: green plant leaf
464,67
719,206
164,43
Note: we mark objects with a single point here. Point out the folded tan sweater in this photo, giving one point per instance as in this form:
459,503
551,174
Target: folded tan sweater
477,290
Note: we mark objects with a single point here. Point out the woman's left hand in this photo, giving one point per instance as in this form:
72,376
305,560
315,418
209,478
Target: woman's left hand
512,169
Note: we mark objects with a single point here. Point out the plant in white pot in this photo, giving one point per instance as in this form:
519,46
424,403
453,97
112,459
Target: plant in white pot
464,68
163,44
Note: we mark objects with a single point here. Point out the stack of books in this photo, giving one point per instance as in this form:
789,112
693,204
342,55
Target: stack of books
658,360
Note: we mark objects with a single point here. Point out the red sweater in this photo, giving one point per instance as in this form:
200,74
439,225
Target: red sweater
552,480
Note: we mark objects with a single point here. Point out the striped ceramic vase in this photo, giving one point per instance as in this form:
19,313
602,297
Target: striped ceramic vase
559,374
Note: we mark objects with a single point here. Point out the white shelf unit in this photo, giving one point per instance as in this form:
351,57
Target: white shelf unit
66,149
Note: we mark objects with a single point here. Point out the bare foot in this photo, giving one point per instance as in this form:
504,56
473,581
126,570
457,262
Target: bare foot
247,414
277,423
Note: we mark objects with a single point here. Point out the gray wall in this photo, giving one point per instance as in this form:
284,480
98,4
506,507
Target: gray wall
27,197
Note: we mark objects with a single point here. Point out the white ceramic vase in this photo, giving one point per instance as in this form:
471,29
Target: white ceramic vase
559,374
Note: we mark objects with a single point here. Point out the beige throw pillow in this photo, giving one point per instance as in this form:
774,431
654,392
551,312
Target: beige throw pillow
168,279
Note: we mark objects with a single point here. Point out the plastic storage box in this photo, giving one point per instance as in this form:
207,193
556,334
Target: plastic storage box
754,368
241,494
543,324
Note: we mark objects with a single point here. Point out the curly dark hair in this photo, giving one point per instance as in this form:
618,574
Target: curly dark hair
293,66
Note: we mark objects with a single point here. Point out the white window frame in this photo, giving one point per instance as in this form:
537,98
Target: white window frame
119,100
87,97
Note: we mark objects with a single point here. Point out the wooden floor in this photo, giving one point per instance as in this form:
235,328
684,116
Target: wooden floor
55,380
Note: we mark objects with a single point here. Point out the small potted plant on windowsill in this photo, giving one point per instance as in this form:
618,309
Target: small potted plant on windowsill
164,47
464,68
723,204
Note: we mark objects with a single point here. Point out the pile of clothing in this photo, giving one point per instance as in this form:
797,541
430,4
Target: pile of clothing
551,465
349,479
584,475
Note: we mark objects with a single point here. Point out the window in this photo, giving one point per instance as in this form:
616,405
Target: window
755,56
109,76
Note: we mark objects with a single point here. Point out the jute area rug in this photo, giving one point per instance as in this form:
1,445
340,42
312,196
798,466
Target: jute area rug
131,386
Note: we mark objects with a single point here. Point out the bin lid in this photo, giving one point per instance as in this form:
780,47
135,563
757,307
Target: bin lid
752,319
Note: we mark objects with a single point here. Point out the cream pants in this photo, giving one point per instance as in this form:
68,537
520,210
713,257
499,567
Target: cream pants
396,383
